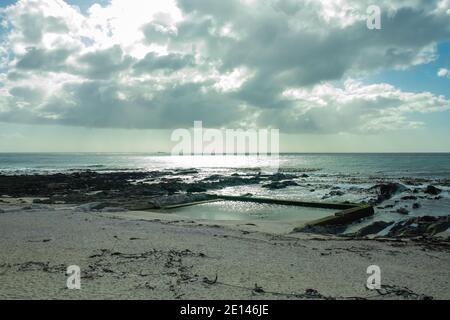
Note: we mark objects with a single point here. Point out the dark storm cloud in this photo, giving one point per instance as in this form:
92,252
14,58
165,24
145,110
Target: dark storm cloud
171,62
43,60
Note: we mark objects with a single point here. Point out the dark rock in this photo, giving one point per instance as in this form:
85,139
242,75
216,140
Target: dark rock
432,190
373,228
247,195
186,171
386,191
43,201
426,226
281,176
402,211
279,184
214,177
334,193
416,205
409,198
195,189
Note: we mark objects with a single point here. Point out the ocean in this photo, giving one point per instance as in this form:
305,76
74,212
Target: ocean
416,165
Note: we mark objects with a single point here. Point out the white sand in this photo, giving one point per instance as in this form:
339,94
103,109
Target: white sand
124,256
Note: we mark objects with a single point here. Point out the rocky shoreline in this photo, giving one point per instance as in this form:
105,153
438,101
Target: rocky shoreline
145,190
48,222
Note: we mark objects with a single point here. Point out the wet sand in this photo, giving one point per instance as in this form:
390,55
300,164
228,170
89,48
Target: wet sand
130,255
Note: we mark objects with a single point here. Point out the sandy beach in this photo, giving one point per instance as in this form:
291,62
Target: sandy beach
143,255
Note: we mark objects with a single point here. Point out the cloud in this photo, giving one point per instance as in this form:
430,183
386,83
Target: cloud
443,73
164,64
354,107
171,62
43,60
103,63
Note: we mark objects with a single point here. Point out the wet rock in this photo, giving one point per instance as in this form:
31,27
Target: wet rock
195,189
281,176
409,198
416,205
402,211
425,226
279,185
214,177
334,193
432,190
247,195
186,171
444,235
386,191
43,201
373,228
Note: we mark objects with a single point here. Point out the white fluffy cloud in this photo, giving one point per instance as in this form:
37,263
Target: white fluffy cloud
444,73
164,64
354,107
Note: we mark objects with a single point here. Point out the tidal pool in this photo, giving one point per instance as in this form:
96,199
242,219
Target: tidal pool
242,210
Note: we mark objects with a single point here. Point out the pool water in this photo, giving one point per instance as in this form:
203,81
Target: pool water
241,210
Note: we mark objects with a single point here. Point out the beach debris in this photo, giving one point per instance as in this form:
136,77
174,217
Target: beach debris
316,229
389,290
209,281
38,241
258,289
313,294
432,190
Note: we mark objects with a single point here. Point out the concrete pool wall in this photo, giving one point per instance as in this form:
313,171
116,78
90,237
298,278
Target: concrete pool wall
346,212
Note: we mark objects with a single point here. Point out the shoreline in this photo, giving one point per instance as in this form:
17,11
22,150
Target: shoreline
123,256
109,225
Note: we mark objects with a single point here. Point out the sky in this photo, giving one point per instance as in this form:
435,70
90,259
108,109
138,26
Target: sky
121,75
